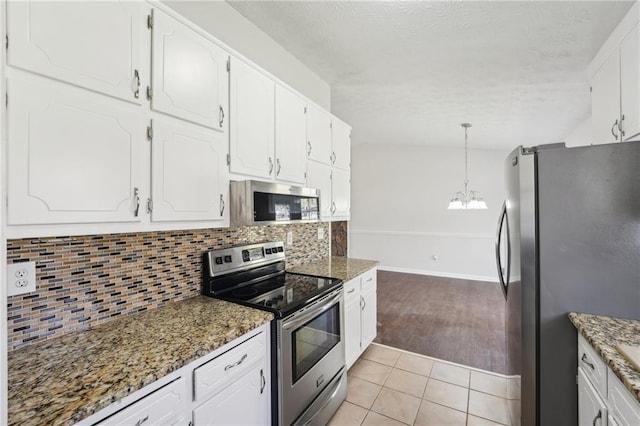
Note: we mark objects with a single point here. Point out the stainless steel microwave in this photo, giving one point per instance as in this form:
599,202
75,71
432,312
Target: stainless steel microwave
264,203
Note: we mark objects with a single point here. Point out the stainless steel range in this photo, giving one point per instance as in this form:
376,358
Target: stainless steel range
308,361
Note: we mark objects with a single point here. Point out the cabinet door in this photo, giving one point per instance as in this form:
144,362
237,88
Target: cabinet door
73,155
165,406
244,402
341,143
189,179
369,307
352,324
189,74
341,192
252,127
319,177
630,84
291,132
591,409
318,135
95,45
605,101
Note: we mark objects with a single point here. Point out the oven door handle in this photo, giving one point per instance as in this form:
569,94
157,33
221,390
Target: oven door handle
299,319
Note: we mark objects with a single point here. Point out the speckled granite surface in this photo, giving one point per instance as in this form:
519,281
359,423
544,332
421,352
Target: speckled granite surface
604,333
344,268
64,380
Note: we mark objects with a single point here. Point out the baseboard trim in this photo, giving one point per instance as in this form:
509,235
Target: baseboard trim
438,274
423,234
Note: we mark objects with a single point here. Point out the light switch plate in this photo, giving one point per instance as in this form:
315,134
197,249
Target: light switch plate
21,278
321,233
289,238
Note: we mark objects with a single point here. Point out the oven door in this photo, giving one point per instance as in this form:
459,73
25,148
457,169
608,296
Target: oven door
310,354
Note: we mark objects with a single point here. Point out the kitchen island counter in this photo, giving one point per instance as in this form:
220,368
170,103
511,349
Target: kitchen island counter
603,334
66,379
344,268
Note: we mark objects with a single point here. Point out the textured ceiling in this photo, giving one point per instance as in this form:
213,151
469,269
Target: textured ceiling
412,71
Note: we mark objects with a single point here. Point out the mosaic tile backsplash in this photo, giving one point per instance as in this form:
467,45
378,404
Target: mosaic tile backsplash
88,280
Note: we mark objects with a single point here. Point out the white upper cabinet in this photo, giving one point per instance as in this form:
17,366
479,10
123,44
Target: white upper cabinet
189,178
605,101
318,135
73,155
341,194
341,143
252,132
189,74
319,177
630,84
95,45
614,74
291,131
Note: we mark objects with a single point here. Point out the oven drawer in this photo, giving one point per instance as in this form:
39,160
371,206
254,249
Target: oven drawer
222,370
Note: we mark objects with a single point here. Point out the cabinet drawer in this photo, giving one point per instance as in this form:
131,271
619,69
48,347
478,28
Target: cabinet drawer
369,278
592,365
230,365
351,290
165,406
624,408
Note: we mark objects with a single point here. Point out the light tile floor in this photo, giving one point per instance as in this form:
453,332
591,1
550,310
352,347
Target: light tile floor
387,386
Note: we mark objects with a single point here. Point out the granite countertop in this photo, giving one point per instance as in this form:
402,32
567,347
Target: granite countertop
604,333
64,380
345,268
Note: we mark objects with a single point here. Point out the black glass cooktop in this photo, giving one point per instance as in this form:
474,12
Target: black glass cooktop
282,294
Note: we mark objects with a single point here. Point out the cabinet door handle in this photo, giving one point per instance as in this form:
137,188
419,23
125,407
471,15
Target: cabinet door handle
598,416
584,359
363,303
621,126
333,158
235,364
309,146
270,166
139,422
221,116
136,196
136,79
279,167
613,127
263,381
221,205
333,207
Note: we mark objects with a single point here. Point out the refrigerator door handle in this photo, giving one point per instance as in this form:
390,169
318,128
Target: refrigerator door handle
504,283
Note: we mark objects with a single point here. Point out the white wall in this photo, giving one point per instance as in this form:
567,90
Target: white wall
399,216
581,134
226,24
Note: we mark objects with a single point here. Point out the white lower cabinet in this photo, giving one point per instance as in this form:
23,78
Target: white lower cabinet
602,399
360,314
592,409
165,406
241,403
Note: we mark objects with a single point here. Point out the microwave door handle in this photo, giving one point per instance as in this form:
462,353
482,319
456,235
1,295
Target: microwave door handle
501,219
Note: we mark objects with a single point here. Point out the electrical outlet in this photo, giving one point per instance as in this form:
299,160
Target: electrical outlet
21,278
289,238
321,233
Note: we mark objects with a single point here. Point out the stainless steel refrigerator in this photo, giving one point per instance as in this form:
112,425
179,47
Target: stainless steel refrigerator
568,241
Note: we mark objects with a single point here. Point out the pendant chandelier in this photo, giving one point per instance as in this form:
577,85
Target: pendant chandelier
467,199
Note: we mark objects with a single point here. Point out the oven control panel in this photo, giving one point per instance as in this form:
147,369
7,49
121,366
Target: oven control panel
232,259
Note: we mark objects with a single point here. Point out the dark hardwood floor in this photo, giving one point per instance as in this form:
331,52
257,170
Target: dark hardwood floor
455,320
